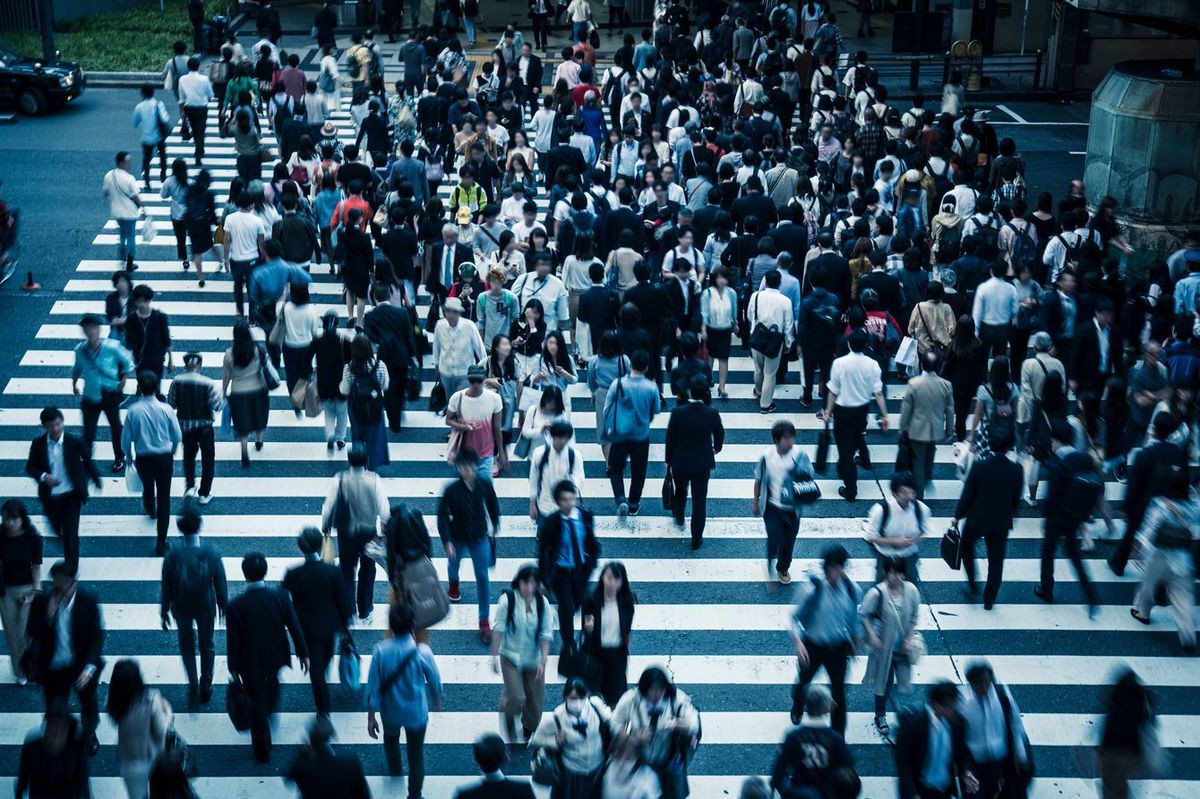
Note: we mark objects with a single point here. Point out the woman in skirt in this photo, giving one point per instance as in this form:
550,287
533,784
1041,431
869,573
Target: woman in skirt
366,373
244,377
718,312
573,731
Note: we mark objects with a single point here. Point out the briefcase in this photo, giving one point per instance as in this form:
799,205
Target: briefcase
823,440
237,705
951,548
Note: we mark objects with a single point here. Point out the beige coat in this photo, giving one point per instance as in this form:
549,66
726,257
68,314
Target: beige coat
927,411
931,323
879,612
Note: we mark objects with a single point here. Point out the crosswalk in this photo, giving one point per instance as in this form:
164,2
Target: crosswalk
711,617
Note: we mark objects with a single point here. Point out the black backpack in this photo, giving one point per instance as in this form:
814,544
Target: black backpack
195,579
366,398
1022,249
862,73
1003,419
987,241
1073,252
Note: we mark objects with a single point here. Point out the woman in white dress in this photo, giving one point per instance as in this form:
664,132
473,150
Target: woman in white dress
329,80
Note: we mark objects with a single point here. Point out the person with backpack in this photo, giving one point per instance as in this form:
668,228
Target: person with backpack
995,408
318,594
194,592
895,525
521,633
984,226
946,232
356,505
1074,488
402,684
365,381
812,752
994,311
550,464
577,733
1064,251
1167,543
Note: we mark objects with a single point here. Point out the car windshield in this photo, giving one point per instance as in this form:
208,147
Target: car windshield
7,56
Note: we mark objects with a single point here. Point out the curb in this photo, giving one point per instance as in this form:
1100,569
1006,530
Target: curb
123,80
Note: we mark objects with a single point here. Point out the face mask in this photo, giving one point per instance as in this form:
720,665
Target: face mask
575,706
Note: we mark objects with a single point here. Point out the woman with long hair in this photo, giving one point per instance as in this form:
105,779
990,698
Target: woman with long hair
175,188
362,377
888,615
995,406
331,351
535,427
143,718
539,242
248,147
501,365
607,627
553,366
965,368
244,386
605,367
527,333
1129,736
663,717
199,217
21,566
718,316
357,268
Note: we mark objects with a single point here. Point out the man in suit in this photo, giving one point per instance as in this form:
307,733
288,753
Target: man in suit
257,627
491,753
1095,358
445,258
66,641
837,269
1058,316
1145,482
598,307
989,500
927,417
622,218
932,759
753,203
1062,521
390,328
61,465
319,772
567,555
194,591
529,70
319,597
694,436
652,303
412,170
683,312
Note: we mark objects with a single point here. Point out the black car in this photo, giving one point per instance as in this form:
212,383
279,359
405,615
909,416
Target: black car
37,87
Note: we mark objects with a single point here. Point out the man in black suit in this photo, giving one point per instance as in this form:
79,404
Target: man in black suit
886,287
989,500
623,218
932,759
1063,518
61,465
694,436
791,234
837,270
319,597
71,663
566,569
1059,317
194,591
562,154
1095,358
318,772
1146,481
529,70
683,312
753,203
598,306
491,753
652,303
390,328
444,260
256,639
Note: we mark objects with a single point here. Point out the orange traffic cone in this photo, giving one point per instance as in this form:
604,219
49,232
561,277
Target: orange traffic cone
30,285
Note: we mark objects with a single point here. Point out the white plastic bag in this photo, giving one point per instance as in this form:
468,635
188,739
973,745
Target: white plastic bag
149,229
133,481
906,353
962,459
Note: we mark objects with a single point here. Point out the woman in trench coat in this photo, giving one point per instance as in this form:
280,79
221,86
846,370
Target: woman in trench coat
889,618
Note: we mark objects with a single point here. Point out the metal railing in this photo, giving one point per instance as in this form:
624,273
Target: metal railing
897,68
18,15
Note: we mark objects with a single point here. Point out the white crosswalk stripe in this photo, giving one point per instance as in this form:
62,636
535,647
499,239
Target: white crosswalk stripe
711,616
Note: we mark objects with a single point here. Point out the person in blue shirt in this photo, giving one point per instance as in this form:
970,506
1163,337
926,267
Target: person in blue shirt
103,365
629,407
567,555
403,679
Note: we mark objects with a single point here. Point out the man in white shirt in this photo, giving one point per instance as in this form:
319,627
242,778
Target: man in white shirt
854,381
772,309
547,288
1063,248
245,241
992,719
550,464
541,127
195,91
120,190
995,308
963,195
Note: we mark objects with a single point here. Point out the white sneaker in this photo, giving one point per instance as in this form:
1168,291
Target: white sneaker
22,680
191,492
207,498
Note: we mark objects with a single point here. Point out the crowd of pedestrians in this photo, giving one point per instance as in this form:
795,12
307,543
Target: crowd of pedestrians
725,188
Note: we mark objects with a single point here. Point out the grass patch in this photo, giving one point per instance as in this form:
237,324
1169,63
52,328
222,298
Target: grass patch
135,39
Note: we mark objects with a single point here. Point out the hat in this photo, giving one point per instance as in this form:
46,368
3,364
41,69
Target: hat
982,115
467,271
328,129
90,319
1042,341
912,176
464,215
192,357
1191,256
452,304
476,372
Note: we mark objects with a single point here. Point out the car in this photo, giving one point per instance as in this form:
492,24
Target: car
36,87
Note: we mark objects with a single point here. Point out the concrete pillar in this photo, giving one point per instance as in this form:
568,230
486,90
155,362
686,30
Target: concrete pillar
960,20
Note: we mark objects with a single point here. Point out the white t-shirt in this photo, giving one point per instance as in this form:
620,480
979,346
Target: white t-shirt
120,188
242,230
478,412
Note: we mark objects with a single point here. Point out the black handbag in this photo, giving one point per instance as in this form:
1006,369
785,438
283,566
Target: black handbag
580,663
438,398
668,491
821,465
904,454
767,340
412,388
805,491
951,548
237,705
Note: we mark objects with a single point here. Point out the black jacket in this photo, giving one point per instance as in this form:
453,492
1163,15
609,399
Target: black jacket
687,319
1059,471
533,74
888,289
694,435
331,353
463,514
502,789
319,598
176,597
112,306
912,748
598,307
326,774
256,639
837,276
399,246
549,544
807,760
1085,357
991,494
1143,483
391,329
54,776
1052,319
757,205
374,129
298,239
625,610
76,458
654,304
87,636
791,238
148,339
623,218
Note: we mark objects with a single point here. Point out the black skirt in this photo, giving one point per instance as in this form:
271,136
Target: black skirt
719,343
200,234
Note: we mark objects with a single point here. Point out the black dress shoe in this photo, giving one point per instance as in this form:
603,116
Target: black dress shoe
205,693
93,745
1045,596
845,494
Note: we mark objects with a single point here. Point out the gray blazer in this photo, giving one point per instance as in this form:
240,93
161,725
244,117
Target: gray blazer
927,411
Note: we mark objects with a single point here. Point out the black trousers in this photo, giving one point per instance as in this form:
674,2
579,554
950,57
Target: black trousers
295,361
350,555
1019,348
923,454
638,454
57,685
320,653
814,362
995,338
155,473
614,680
990,774
834,659
110,406
203,624
964,399
414,744
698,480
1124,549
394,397
197,117
148,157
1069,534
570,587
997,547
263,693
850,435
63,513
199,440
180,230
541,30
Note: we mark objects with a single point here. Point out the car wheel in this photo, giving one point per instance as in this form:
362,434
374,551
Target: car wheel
33,102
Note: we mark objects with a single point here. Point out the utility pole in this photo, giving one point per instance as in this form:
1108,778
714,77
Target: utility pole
46,22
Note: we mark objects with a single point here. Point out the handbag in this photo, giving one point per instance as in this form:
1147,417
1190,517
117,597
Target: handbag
133,481
531,397
904,453
349,665
914,648
412,388
821,465
580,663
951,547
805,491
668,491
906,353
237,705
522,447
149,229
299,393
437,397
312,402
546,767
328,550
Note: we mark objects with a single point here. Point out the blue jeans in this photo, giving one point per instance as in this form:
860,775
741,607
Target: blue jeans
484,468
579,29
480,553
126,239
469,24
782,529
